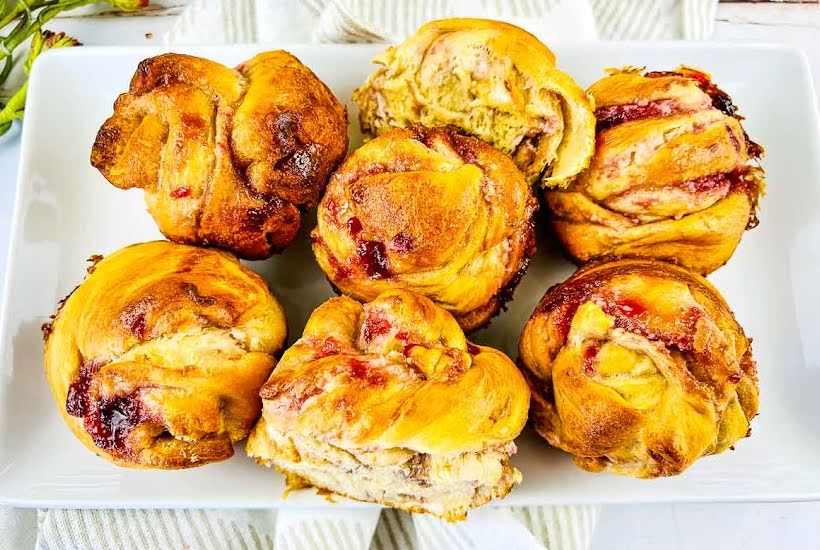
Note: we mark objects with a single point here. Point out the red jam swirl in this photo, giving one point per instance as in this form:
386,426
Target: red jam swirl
629,307
372,255
374,326
360,370
613,115
373,259
329,347
109,420
180,192
590,359
354,225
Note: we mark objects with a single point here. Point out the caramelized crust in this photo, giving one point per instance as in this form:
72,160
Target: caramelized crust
671,177
157,358
491,79
388,402
432,211
638,367
226,157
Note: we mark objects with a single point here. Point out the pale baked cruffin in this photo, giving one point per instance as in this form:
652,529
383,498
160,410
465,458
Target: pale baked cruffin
492,80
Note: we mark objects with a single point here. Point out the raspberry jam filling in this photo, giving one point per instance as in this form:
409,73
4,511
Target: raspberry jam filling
108,421
679,198
329,347
372,255
613,115
361,370
373,259
630,313
590,359
712,182
374,326
181,193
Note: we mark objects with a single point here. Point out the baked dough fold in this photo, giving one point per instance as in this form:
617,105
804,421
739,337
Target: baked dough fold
638,367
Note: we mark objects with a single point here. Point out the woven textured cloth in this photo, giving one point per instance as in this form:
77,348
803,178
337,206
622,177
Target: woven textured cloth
294,21
248,21
550,527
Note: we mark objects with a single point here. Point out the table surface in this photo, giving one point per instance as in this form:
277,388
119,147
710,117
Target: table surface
792,526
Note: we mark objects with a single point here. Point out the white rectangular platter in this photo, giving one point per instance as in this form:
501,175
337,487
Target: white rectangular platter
66,211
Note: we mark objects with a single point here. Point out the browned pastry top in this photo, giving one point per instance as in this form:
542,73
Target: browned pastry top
226,156
156,359
430,210
638,367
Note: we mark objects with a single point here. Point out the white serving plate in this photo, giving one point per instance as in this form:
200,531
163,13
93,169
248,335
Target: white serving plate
66,211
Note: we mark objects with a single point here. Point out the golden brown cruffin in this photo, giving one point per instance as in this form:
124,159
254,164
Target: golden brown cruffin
387,402
429,210
156,359
491,79
638,367
227,157
670,178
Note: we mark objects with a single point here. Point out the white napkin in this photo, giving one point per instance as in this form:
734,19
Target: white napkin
293,21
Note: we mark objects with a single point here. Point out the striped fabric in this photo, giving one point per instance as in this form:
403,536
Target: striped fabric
236,21
155,529
537,527
655,20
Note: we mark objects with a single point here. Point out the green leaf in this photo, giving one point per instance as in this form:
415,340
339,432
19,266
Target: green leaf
28,18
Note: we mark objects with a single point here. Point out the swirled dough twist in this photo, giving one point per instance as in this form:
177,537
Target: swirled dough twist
491,79
638,367
226,156
432,211
388,402
157,358
670,178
